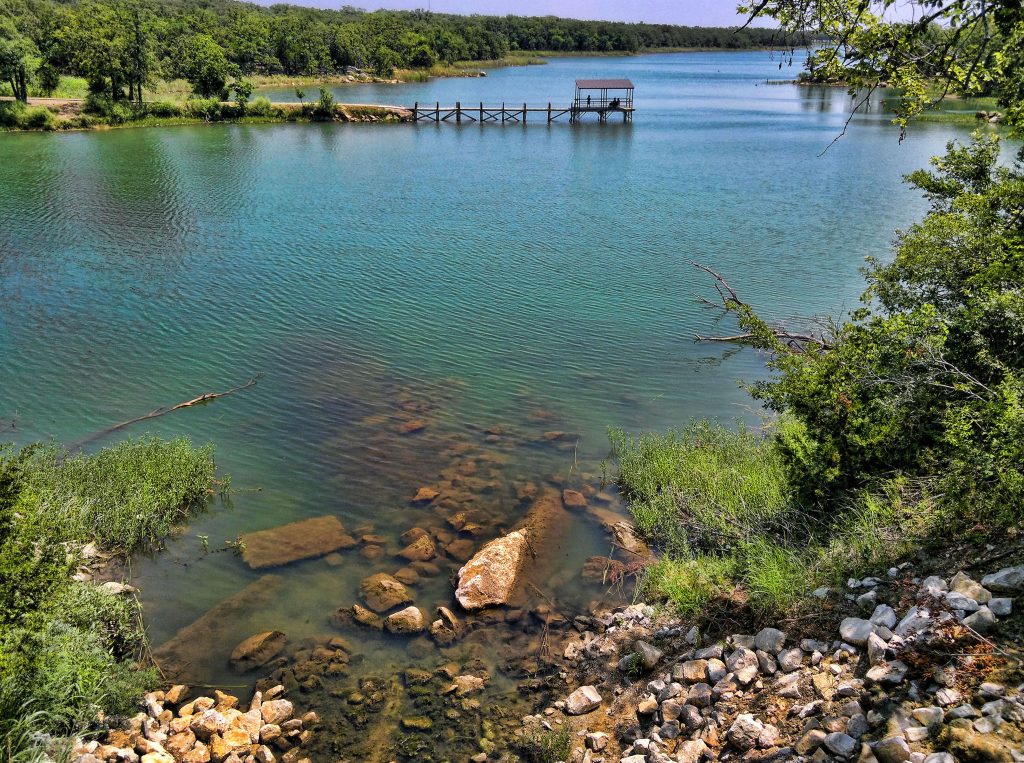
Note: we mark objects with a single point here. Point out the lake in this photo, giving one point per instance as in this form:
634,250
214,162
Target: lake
425,303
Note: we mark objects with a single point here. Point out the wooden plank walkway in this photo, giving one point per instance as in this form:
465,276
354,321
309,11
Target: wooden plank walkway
505,113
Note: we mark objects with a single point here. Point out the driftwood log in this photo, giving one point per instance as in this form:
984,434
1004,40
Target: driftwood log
203,398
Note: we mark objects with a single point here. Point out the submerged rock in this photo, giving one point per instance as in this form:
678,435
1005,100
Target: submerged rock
405,621
257,651
289,543
382,592
188,654
489,578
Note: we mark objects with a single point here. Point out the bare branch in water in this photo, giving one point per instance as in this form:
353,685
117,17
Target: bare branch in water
204,398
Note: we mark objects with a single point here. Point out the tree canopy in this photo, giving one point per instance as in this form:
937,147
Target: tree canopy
121,45
925,48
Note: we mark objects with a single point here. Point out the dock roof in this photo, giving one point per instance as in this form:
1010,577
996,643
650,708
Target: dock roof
604,84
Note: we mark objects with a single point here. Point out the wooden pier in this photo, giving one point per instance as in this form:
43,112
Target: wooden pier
603,98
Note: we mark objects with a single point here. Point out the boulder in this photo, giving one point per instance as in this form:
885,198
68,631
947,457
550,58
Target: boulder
573,499
405,621
192,652
856,631
744,732
963,584
420,550
1007,580
649,654
306,539
489,578
770,640
276,711
381,592
892,750
425,495
583,700
256,651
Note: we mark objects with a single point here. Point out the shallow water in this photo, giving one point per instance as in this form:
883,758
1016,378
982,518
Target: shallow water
525,278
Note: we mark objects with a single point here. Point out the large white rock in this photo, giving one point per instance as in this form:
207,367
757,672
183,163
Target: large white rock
1007,580
489,578
855,631
583,700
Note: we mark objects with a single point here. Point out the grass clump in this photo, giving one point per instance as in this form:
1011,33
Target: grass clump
718,505
126,497
71,653
545,746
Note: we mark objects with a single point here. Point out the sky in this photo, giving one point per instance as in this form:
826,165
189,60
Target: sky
689,12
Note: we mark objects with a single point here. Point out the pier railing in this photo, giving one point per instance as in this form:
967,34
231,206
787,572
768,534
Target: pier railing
482,113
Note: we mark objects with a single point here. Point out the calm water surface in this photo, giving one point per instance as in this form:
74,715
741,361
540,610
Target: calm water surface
495,283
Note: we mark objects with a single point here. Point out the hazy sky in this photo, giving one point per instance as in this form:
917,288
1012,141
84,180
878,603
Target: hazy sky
692,12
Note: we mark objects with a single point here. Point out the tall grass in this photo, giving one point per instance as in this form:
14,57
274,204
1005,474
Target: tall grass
717,504
126,497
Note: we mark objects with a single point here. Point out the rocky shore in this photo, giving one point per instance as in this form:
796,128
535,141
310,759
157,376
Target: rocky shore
174,729
917,671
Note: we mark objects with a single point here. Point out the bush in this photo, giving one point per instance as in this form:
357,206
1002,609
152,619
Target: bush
324,109
261,107
545,746
203,108
68,649
38,118
163,109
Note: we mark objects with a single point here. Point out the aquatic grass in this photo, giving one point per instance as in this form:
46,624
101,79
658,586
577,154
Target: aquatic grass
125,497
701,486
543,746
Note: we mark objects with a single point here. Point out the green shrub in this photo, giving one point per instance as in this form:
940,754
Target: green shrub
261,107
163,109
704,486
203,108
38,118
545,746
689,583
324,109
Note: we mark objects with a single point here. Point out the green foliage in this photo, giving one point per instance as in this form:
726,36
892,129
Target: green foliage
202,61
126,497
324,108
545,746
927,380
243,92
970,47
67,648
261,107
703,486
690,583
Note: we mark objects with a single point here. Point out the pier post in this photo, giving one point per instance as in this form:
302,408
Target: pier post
416,112
481,112
524,113
437,112
503,112
549,112
458,112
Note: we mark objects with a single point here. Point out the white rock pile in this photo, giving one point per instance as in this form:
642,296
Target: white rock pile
205,729
899,684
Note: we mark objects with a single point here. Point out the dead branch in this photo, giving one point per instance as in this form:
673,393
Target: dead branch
204,398
730,302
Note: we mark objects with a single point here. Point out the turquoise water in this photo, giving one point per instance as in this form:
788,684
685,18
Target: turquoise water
528,278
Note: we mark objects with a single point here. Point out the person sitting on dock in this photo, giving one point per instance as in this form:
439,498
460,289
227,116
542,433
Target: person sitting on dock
588,101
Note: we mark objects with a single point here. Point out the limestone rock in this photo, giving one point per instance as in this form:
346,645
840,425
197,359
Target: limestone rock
573,499
963,584
770,640
1007,580
744,732
892,750
489,578
649,654
289,543
405,621
854,630
583,700
276,711
257,651
381,592
420,550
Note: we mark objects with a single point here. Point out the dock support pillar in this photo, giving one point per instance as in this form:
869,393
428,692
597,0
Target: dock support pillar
458,112
524,113
416,112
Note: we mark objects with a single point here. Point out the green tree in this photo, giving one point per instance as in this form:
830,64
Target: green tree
243,92
967,46
18,59
926,380
202,62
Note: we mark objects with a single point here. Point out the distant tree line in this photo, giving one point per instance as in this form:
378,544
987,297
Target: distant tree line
122,46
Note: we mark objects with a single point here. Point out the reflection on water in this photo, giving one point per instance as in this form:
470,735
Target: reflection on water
463,309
